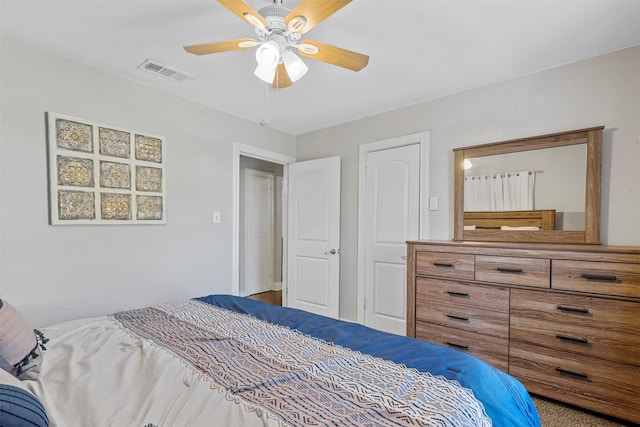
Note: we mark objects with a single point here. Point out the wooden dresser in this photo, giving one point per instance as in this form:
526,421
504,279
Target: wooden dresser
563,319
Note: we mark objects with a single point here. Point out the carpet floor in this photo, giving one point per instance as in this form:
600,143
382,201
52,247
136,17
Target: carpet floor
557,414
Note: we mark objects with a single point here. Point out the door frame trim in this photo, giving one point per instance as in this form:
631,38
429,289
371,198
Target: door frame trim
247,215
421,138
240,149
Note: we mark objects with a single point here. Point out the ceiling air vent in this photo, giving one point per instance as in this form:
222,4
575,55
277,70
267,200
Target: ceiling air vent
164,71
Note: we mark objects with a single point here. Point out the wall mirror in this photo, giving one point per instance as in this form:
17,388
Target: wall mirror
538,189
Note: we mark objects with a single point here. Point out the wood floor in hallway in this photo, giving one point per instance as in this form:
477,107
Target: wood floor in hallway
271,297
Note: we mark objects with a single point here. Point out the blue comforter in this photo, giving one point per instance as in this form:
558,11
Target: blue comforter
505,399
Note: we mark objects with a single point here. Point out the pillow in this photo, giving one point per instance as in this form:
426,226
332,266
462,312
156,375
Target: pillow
19,408
7,379
20,346
522,228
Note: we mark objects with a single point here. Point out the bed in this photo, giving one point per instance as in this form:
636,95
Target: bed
543,219
222,360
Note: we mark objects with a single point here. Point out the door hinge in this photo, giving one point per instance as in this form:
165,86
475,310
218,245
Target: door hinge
365,304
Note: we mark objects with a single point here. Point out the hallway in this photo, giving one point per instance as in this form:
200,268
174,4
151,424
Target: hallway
271,297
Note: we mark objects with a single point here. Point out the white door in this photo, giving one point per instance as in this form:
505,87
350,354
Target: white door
392,212
313,260
259,232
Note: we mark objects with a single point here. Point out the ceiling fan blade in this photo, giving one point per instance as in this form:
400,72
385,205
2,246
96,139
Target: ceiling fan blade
245,12
281,79
314,11
207,48
333,55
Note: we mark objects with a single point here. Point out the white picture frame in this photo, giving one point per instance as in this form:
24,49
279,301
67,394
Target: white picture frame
101,174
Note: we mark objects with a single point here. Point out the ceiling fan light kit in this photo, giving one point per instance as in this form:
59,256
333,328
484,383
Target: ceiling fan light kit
269,58
268,54
278,31
296,68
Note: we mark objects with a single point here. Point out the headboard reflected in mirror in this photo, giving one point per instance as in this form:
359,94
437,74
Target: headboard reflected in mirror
517,217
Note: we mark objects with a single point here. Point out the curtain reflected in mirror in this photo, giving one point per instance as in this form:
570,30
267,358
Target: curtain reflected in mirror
509,191
550,179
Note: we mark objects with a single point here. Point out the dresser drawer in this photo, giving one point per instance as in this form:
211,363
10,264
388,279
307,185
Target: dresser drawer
514,270
601,336
487,322
608,278
492,350
432,289
588,380
445,264
576,311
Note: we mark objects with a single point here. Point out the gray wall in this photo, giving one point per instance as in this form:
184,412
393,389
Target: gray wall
599,91
62,272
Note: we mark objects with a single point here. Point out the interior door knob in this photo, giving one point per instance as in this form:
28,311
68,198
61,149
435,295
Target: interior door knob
332,252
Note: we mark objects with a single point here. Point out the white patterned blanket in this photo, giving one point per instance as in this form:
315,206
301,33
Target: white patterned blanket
296,379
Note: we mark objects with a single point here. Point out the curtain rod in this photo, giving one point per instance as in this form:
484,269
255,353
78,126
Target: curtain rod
504,173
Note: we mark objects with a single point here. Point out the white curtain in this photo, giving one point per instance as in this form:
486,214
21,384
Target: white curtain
512,191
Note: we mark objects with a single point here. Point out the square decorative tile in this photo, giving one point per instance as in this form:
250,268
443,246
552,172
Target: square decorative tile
114,143
74,136
75,205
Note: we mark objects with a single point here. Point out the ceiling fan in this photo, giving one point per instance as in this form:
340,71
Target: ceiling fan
278,31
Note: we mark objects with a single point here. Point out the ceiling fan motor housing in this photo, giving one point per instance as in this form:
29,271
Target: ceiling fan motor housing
275,16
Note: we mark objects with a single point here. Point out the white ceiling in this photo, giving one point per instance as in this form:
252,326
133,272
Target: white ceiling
419,49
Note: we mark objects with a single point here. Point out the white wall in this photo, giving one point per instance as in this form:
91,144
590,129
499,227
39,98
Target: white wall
599,91
55,273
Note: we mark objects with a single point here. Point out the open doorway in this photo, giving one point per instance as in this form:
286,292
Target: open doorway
260,234
297,275
280,216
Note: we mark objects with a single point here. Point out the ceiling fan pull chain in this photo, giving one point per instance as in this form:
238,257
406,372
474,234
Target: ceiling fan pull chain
277,102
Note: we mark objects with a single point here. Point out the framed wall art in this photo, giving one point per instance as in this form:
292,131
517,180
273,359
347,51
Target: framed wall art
100,174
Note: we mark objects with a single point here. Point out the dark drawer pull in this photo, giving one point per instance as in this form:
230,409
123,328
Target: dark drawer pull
600,277
458,294
574,339
462,346
443,264
573,309
453,316
510,270
582,375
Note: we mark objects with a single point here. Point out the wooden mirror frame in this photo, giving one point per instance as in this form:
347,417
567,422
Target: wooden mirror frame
591,234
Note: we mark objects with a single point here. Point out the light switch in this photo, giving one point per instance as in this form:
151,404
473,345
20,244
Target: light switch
216,217
433,203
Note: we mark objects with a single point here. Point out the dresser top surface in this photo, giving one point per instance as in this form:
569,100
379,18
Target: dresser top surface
469,245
